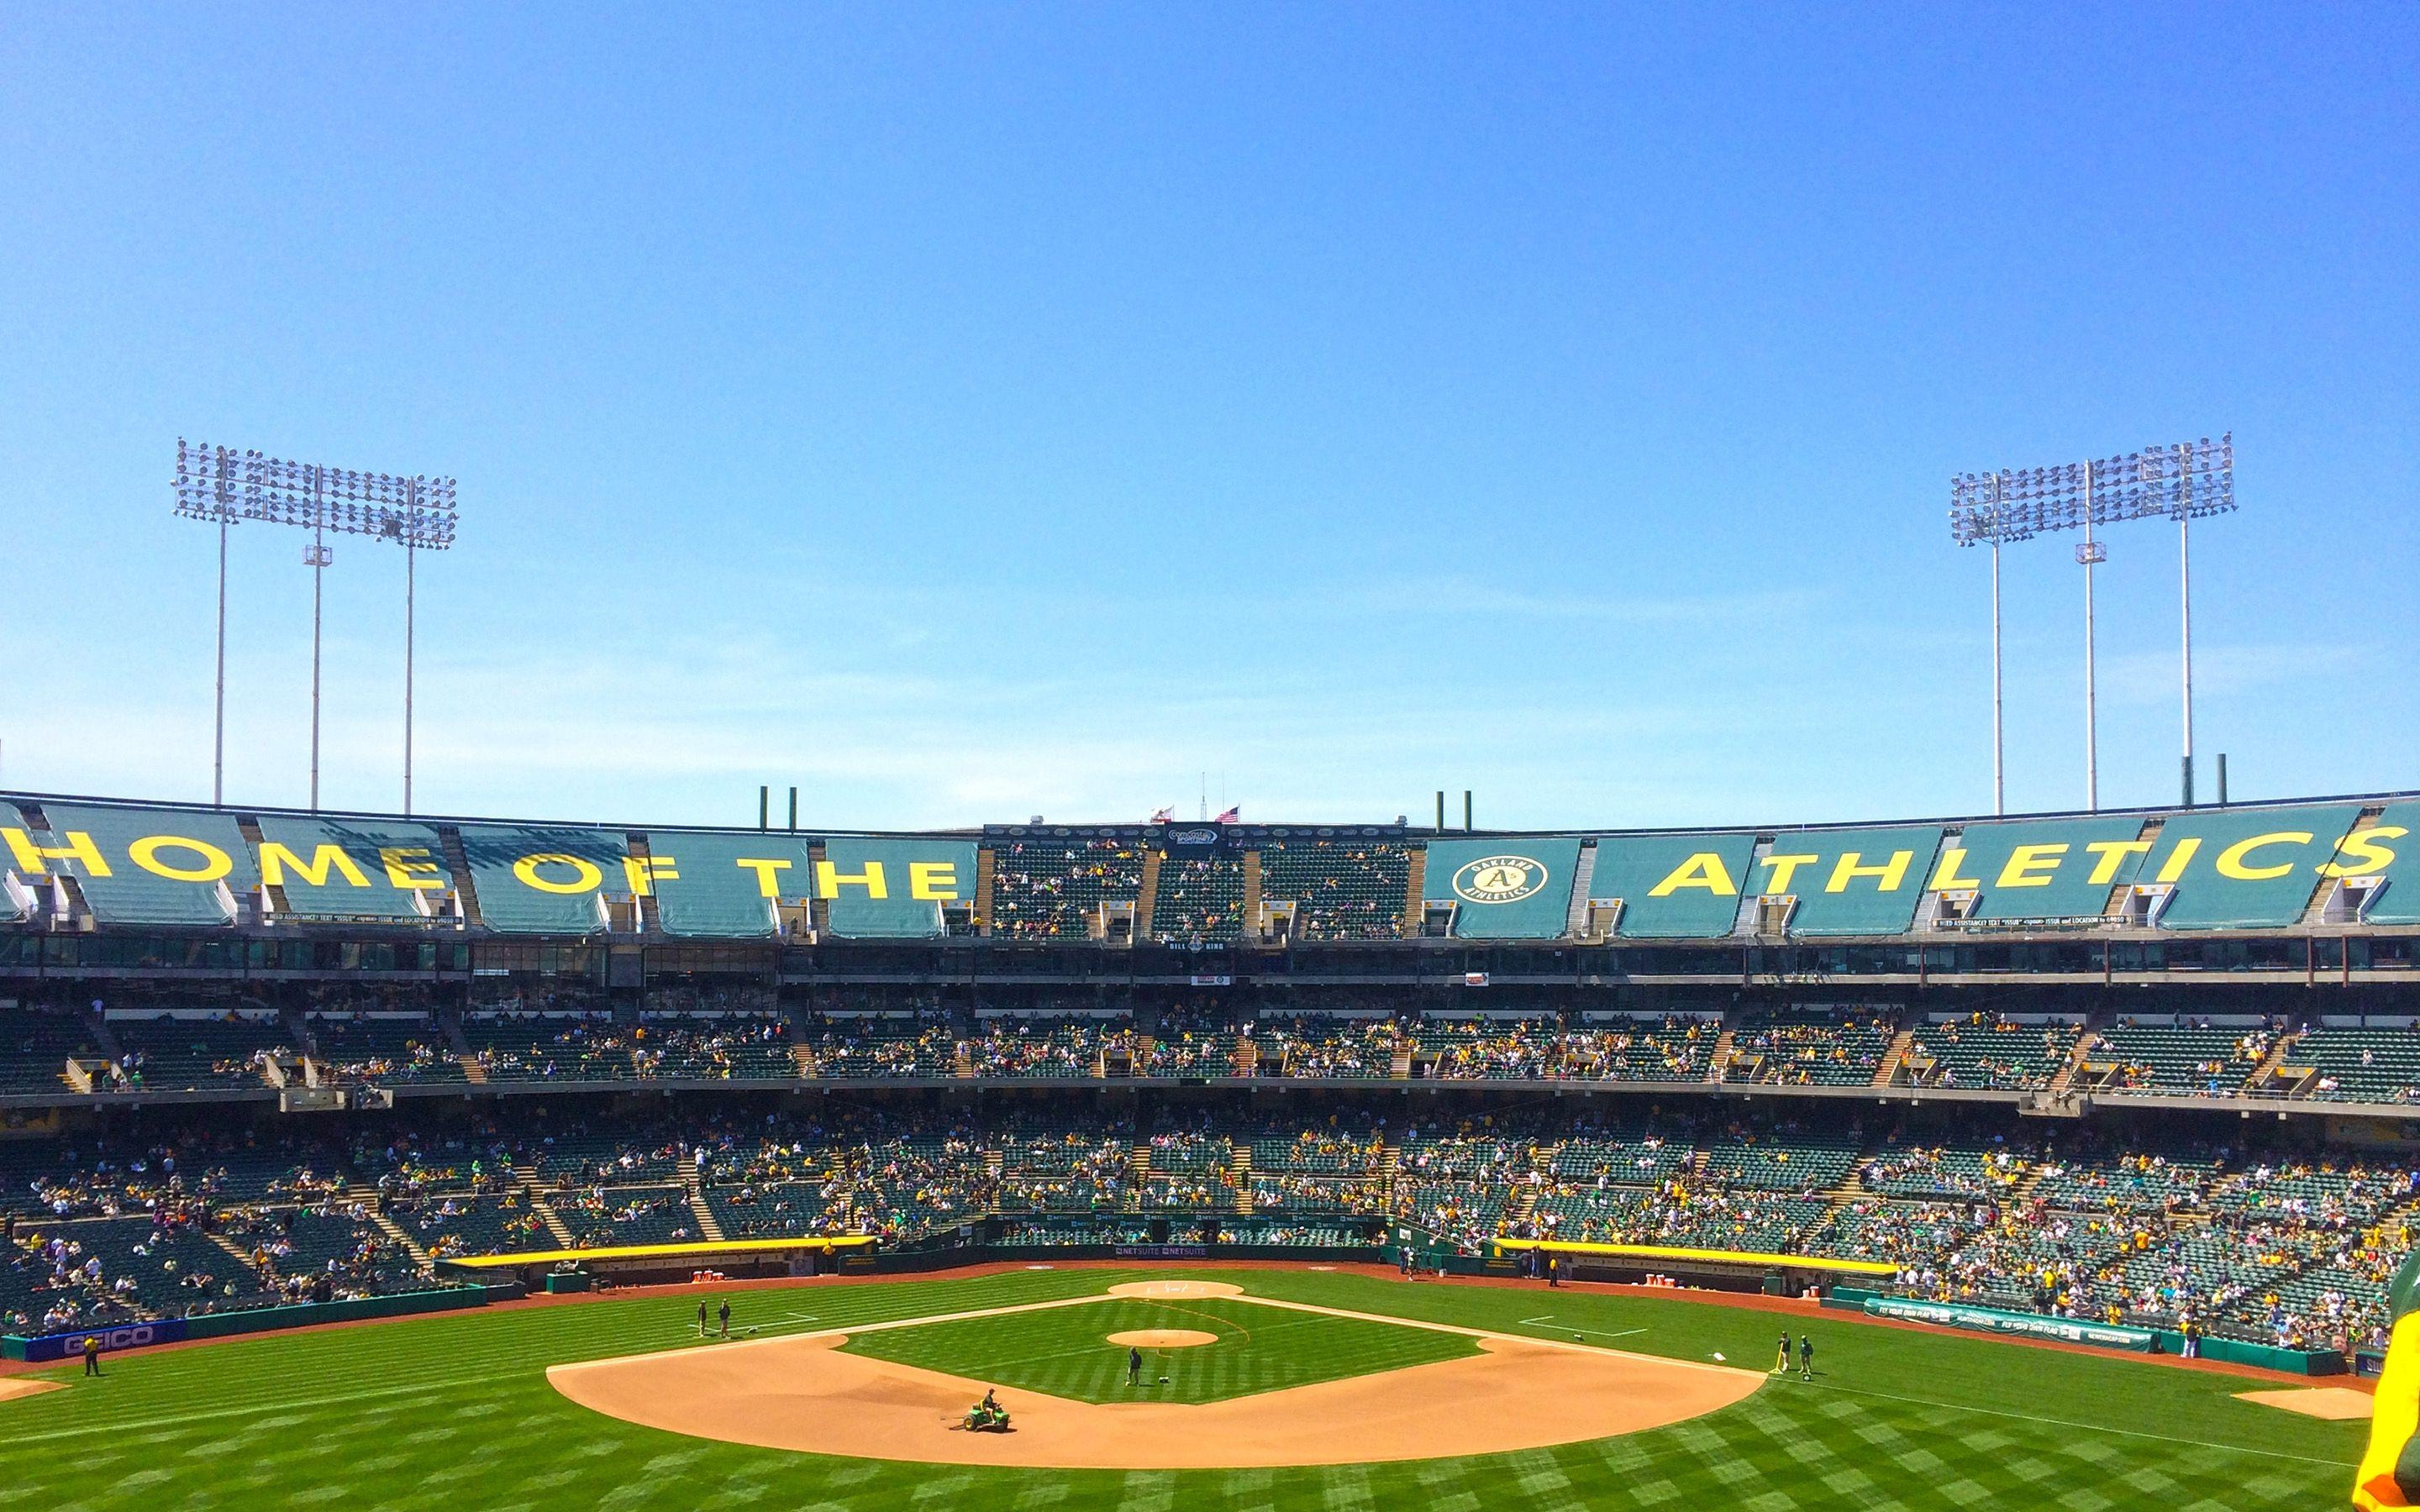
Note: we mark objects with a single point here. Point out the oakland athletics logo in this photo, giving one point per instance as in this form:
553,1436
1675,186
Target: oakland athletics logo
1499,879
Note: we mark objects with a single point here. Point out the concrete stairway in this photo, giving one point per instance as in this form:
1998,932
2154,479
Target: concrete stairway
553,1220
695,1192
2075,1062
393,1230
1147,898
2275,1059
1718,1065
1888,1070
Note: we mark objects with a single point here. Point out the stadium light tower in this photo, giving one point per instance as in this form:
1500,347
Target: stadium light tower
2182,481
224,487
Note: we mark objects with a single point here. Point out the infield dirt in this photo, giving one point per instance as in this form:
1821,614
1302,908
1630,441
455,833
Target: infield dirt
805,1393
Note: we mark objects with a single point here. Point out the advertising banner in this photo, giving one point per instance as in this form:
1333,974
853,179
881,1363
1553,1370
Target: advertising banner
2024,1325
121,1336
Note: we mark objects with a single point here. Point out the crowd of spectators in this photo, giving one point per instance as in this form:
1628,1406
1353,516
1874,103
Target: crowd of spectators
1341,889
1053,889
2192,1056
1019,1046
1198,902
1676,1048
1988,1050
1515,1049
355,1049
2272,1240
1804,1047
1323,1046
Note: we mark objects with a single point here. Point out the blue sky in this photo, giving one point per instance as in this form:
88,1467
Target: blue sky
977,411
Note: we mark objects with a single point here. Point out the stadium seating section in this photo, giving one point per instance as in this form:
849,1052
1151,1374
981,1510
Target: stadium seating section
1341,889
1806,1047
1199,901
1988,1052
2276,1244
1053,889
2195,1061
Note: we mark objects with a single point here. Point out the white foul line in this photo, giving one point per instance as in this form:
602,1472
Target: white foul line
1592,1332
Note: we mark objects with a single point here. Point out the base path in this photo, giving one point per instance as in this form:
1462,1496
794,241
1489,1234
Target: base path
801,1392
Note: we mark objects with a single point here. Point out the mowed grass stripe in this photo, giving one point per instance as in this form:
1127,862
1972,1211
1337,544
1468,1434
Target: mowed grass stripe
492,1433
1065,1352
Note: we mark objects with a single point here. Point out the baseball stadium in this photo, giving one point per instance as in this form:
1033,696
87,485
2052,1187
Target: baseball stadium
2058,1160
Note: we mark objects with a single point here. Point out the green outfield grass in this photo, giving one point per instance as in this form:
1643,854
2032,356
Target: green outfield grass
1065,1352
454,1412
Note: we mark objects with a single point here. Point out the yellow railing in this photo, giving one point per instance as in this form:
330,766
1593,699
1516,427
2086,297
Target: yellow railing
661,1252
1658,1252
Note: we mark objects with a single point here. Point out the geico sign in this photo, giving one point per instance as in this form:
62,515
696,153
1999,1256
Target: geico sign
121,1339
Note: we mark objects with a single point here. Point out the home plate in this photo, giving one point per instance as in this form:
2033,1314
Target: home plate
2334,1403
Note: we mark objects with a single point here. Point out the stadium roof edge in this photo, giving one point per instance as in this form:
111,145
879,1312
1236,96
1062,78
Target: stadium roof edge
981,832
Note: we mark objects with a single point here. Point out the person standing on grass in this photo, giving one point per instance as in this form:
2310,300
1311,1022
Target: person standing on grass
1781,1365
701,1318
1805,1355
92,1354
726,1313
1134,1366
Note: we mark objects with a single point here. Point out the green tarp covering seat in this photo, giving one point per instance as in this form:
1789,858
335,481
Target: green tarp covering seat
1850,881
1672,886
2244,868
352,868
138,866
537,879
2400,903
2042,868
711,884
1504,889
895,889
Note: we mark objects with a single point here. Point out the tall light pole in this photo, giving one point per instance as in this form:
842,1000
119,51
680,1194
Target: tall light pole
224,486
2183,481
2089,556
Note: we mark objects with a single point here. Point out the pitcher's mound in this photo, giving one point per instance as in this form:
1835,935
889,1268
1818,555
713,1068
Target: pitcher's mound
1165,1290
1163,1338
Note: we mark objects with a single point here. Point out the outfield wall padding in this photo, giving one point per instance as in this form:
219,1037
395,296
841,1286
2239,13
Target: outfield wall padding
2016,1325
253,1321
892,1262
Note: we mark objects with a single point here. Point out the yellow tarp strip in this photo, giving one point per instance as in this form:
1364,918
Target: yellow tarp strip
652,1252
1658,1252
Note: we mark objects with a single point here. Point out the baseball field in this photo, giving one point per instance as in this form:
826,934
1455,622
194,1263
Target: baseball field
1153,1389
